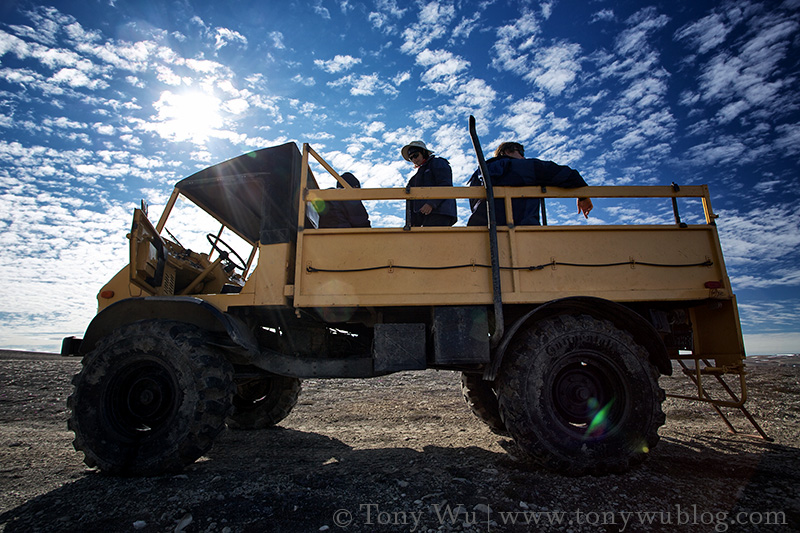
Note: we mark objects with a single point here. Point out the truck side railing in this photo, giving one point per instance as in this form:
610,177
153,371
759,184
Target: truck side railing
509,193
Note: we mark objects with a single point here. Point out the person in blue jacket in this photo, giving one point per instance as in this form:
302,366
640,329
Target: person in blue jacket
432,171
510,167
345,213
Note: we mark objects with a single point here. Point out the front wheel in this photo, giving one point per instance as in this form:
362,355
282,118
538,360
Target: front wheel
579,396
151,398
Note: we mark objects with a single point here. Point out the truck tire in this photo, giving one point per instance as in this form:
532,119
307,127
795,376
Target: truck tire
263,402
482,401
580,396
150,398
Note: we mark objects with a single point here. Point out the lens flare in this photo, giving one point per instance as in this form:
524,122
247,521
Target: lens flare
319,205
599,423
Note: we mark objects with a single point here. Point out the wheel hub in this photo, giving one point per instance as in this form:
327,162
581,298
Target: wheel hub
141,399
145,398
578,391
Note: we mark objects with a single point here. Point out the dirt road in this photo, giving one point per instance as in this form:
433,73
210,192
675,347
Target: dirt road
401,453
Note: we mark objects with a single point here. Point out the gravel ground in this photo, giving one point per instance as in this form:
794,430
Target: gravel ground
401,453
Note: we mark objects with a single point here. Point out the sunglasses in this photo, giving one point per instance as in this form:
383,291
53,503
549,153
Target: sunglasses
512,150
413,155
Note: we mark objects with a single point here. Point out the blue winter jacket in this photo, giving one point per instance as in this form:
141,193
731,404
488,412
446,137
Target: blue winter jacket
507,171
435,172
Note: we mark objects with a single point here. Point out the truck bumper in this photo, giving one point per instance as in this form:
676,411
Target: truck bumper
70,346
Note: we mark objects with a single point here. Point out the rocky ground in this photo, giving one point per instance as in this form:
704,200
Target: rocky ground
401,453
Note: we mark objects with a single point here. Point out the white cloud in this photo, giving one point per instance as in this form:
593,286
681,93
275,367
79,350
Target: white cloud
374,127
742,81
705,34
642,24
476,95
441,70
525,118
76,78
401,78
467,25
513,43
64,123
768,237
48,22
724,150
789,138
225,37
365,85
77,33
167,75
604,15
277,40
338,63
204,66
320,10
773,315
307,81
433,19
387,11
555,67
236,106
379,21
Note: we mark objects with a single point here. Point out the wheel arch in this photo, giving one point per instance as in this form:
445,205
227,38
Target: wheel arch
622,317
186,309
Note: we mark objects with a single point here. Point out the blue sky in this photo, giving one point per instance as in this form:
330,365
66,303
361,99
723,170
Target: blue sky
103,103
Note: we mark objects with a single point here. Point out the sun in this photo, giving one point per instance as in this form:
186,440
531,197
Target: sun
189,116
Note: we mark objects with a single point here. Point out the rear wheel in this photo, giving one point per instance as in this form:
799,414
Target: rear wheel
482,401
263,401
580,396
151,398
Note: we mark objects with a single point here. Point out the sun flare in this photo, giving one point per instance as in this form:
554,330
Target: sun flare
191,116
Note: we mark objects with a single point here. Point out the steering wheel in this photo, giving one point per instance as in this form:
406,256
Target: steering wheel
218,244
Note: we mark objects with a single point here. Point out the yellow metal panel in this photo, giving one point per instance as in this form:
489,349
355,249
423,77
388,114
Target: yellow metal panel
364,251
603,245
266,285
121,287
421,248
717,333
271,275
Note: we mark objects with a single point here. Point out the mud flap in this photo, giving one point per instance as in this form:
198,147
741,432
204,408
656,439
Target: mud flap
399,347
461,335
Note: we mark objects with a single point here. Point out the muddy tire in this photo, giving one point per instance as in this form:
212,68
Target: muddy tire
150,398
579,396
264,401
482,401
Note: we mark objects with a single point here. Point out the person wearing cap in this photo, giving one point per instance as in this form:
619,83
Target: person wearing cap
432,171
510,167
344,213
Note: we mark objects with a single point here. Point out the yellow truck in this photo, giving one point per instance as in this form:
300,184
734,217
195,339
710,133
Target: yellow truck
560,332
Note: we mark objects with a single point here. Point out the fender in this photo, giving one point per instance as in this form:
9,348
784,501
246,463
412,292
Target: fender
181,308
622,317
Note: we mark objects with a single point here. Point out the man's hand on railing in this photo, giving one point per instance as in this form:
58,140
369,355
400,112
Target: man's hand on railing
585,206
